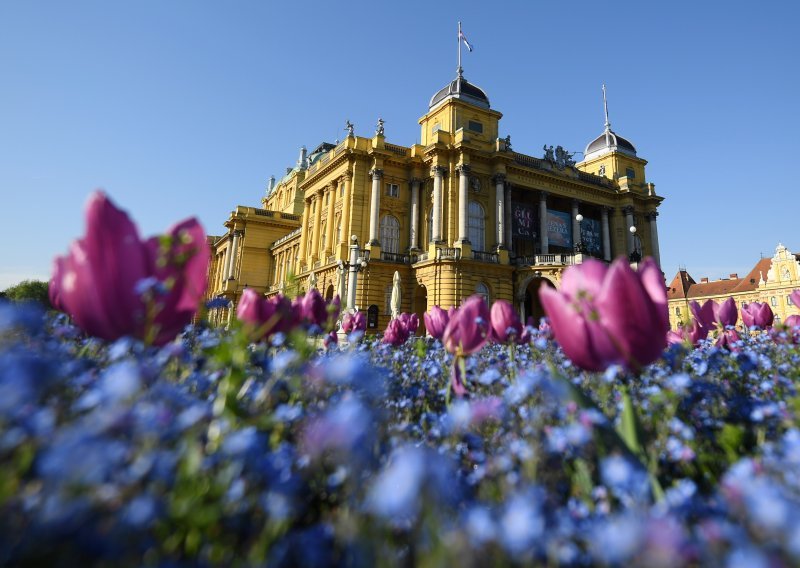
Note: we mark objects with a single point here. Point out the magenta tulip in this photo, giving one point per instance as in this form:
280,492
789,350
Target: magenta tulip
704,315
396,333
468,328
113,284
792,321
757,314
605,315
436,321
354,322
504,323
314,309
264,317
726,313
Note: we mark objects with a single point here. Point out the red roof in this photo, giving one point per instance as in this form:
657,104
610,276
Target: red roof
684,286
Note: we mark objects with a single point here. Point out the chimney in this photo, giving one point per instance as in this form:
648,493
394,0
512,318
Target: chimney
302,160
704,281
271,184
733,276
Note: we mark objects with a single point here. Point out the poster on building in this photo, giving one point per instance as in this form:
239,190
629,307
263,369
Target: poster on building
590,236
559,229
523,224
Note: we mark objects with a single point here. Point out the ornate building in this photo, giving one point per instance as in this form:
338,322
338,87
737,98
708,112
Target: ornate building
771,280
457,214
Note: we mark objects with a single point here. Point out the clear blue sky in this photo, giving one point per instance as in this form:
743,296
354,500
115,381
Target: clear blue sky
185,108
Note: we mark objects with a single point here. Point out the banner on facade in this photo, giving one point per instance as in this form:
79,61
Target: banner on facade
590,236
559,229
523,225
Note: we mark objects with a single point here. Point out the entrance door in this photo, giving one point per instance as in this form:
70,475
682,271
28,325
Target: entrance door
533,306
420,306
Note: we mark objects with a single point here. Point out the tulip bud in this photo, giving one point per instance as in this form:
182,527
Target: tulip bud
436,320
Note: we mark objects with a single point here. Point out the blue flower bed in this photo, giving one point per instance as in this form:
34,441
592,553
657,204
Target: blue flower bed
213,451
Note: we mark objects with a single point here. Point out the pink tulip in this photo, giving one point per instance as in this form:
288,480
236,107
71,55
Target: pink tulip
266,316
727,339
396,333
693,334
113,284
605,315
468,329
504,322
792,322
757,314
436,321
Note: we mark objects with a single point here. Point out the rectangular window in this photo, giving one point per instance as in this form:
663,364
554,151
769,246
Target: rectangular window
630,173
392,190
789,301
475,126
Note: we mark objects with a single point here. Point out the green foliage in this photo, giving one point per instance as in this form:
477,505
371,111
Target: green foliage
28,290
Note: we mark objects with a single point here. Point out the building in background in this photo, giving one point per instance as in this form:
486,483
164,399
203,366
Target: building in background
771,280
459,213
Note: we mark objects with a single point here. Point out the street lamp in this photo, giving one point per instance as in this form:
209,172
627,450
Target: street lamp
358,262
580,248
636,253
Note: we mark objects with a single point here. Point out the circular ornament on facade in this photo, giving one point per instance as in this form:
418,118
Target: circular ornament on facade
475,183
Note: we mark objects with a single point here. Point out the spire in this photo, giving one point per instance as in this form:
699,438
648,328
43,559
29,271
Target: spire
459,69
608,123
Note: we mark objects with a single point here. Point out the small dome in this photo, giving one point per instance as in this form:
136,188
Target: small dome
607,142
460,88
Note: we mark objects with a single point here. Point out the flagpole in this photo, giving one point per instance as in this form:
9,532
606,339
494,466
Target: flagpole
458,39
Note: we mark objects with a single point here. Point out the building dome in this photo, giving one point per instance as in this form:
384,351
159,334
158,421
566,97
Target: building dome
460,88
608,141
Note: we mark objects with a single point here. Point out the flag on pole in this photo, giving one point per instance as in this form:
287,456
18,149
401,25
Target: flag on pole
463,38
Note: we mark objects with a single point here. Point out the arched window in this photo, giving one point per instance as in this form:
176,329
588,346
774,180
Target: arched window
390,234
482,290
476,226
387,296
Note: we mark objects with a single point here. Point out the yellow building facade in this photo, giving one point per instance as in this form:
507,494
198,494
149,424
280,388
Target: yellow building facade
456,214
771,280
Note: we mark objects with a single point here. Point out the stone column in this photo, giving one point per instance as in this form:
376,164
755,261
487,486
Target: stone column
509,235
606,233
414,227
438,177
654,237
576,226
329,244
545,245
317,225
463,202
375,205
628,211
344,237
306,229
234,253
500,208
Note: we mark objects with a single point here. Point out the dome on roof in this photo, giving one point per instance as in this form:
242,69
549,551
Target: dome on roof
460,88
609,141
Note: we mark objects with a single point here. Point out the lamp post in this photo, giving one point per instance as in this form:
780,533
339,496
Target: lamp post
636,254
580,248
358,262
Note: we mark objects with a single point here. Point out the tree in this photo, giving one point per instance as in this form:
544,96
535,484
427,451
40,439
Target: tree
28,290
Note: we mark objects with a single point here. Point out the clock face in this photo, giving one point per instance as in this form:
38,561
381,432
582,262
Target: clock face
475,182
